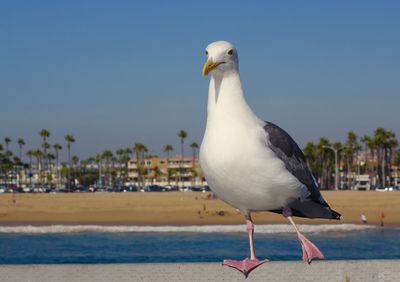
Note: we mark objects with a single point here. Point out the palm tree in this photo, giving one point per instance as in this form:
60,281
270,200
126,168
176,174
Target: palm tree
128,153
366,141
75,162
311,155
21,142
388,143
113,172
182,134
144,156
31,155
338,150
50,158
6,159
325,162
378,141
57,147
120,154
194,147
70,139
351,150
397,159
46,160
383,142
38,154
144,151
7,141
139,150
167,149
45,133
123,159
107,156
99,160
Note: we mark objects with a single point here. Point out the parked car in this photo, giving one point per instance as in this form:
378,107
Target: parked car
170,188
61,190
82,189
206,188
384,189
27,189
154,188
130,188
39,190
389,188
185,189
100,189
196,188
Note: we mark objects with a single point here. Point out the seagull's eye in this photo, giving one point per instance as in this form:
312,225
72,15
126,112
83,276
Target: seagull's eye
230,52
206,52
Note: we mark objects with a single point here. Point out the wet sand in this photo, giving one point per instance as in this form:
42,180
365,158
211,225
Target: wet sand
177,208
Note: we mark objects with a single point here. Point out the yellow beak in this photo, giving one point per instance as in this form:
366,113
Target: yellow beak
209,66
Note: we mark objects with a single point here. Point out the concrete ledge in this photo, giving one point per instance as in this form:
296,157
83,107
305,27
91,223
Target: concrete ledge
347,271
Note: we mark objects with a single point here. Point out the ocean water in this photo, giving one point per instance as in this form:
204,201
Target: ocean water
139,244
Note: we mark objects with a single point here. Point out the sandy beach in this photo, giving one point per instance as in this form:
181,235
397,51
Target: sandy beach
177,208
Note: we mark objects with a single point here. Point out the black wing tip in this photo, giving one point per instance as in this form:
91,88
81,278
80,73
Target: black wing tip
336,215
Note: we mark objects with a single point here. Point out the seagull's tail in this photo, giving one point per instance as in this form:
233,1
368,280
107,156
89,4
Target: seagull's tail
312,209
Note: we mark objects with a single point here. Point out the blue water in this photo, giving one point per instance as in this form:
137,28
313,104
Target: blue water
139,247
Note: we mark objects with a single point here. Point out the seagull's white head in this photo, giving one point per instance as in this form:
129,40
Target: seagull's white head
222,58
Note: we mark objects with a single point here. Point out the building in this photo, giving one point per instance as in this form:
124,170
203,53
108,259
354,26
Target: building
166,171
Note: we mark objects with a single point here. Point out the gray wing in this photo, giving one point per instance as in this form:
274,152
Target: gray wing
286,149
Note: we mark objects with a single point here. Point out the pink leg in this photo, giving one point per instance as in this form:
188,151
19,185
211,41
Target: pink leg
247,265
250,231
310,251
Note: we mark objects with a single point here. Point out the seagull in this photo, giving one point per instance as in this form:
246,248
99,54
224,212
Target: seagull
251,164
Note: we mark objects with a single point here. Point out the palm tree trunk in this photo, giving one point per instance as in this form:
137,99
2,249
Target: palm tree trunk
181,165
384,168
193,160
69,167
168,176
57,171
349,182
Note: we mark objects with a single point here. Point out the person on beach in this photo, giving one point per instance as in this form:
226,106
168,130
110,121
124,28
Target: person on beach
363,218
382,216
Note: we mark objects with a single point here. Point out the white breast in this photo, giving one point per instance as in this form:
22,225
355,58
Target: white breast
241,169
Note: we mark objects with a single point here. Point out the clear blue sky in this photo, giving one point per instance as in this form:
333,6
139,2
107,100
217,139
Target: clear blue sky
117,72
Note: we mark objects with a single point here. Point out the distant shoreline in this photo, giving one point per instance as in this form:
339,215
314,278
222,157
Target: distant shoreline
178,209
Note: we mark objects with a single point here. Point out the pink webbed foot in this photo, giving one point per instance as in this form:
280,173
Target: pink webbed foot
310,251
245,266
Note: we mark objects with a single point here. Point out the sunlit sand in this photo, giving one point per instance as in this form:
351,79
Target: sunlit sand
177,208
